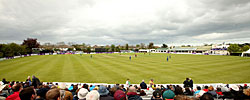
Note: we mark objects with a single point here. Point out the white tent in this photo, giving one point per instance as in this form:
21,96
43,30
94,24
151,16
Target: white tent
247,53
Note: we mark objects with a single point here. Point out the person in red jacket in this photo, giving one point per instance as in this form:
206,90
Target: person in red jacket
16,89
206,89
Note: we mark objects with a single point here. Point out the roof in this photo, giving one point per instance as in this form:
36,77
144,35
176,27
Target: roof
183,49
162,49
248,51
202,48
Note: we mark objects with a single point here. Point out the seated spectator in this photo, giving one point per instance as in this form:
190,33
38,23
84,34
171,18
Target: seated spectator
27,94
188,91
198,93
235,92
120,95
41,94
219,92
16,88
143,85
211,91
2,95
93,95
132,95
85,86
245,86
142,93
104,93
157,95
53,94
178,91
113,90
206,96
206,89
168,95
82,93
246,93
4,81
226,93
123,88
151,83
198,90
65,95
91,87
182,97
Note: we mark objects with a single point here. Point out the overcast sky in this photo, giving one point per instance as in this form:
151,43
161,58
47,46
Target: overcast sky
117,22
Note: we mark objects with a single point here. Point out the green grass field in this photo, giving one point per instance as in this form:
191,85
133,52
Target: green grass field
116,68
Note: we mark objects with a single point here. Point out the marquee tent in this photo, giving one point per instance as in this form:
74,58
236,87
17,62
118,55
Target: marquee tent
247,53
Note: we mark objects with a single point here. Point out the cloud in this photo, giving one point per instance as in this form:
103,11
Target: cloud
119,22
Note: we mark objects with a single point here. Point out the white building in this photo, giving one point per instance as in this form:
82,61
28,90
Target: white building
219,49
147,50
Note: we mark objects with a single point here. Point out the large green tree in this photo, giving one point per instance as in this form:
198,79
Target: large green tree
88,50
233,48
164,46
126,47
117,49
245,48
12,49
151,45
112,47
30,43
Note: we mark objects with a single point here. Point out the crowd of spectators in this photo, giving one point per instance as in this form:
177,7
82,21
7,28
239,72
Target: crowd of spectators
36,90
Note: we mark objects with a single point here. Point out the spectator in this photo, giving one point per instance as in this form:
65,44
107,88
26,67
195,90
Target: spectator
178,91
151,83
157,95
82,93
218,91
206,96
245,86
143,85
16,88
142,93
123,89
35,81
2,95
28,80
27,94
132,95
4,81
93,95
65,95
246,94
53,94
191,83
104,93
120,95
188,91
199,92
182,97
235,92
91,87
211,91
186,83
41,94
113,90
85,86
206,89
128,83
168,95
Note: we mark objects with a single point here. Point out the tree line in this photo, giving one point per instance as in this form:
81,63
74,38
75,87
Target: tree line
13,49
28,45
238,48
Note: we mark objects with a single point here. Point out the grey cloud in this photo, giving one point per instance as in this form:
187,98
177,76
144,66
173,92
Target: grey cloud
76,21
